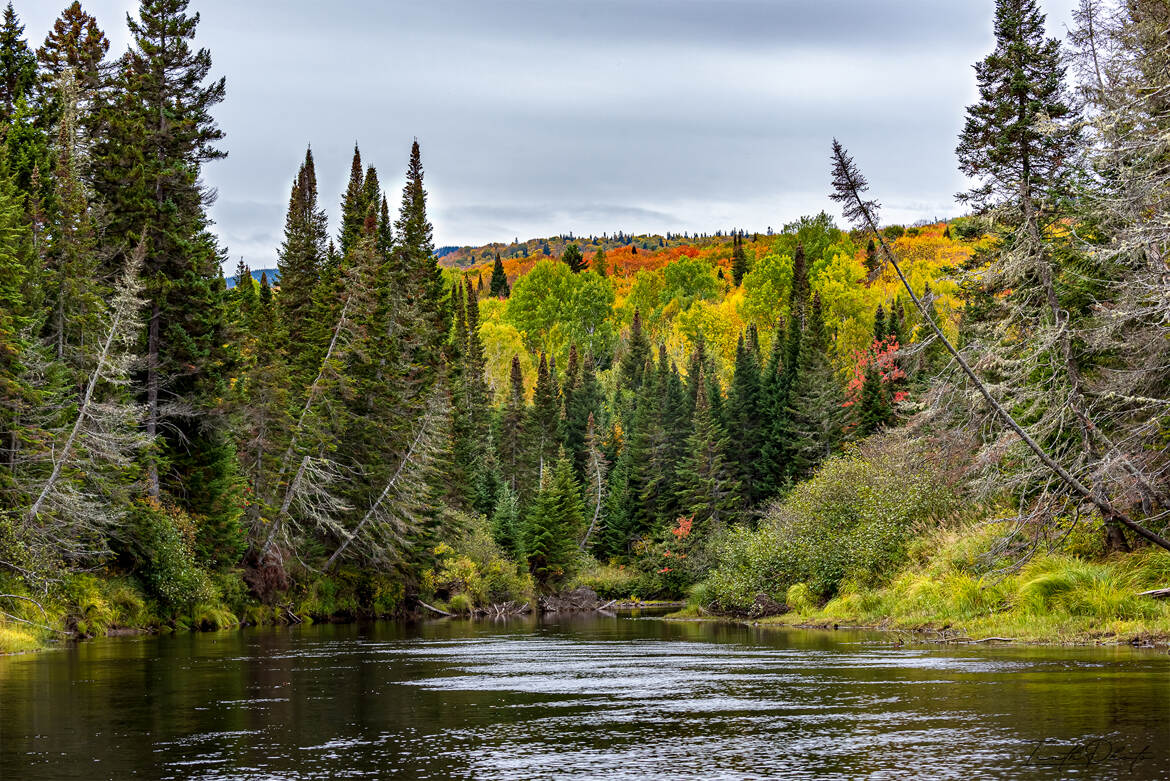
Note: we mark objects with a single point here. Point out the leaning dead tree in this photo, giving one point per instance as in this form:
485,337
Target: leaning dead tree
849,189
79,499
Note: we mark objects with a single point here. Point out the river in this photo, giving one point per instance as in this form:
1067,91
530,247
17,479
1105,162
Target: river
578,697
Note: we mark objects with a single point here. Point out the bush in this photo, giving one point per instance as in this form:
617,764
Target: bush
476,567
164,542
852,521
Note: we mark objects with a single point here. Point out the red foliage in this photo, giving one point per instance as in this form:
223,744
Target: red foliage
884,354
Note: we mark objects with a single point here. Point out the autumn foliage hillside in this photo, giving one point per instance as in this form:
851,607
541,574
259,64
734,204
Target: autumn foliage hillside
685,293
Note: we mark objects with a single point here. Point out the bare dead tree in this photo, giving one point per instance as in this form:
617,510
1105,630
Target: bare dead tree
849,189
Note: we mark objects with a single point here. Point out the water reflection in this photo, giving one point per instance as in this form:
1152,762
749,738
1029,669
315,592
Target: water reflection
583,696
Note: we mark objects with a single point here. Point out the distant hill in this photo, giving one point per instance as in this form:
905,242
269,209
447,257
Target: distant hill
554,246
273,276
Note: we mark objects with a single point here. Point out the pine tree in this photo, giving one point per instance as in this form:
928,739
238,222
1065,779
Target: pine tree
18,66
499,283
871,258
708,490
553,525
880,330
574,259
630,370
739,267
507,529
301,260
159,134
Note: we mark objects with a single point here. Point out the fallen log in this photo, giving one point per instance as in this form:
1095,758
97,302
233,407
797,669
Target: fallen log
435,609
1157,593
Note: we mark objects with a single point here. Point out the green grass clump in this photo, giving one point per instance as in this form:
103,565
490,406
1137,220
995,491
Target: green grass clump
212,617
610,581
461,604
14,640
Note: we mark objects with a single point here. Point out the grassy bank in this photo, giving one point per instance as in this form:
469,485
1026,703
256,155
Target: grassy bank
1059,598
880,537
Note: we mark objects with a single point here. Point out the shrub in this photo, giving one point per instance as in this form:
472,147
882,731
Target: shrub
474,565
853,520
164,540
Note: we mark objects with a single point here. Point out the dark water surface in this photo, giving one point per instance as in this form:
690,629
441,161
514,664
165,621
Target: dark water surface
581,697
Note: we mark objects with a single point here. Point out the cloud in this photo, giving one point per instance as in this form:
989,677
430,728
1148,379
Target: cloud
538,118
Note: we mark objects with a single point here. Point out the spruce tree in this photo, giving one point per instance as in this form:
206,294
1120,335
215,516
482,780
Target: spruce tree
514,436
816,409
739,266
1018,138
708,490
545,421
745,422
499,282
301,260
873,406
353,205
599,261
553,526
18,66
574,259
160,132
630,370
871,258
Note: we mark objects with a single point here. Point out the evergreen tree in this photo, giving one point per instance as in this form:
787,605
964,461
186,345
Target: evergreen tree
422,279
583,404
871,258
874,411
599,261
499,282
574,259
739,267
745,422
545,421
708,490
159,134
18,66
353,205
507,529
816,409
880,329
514,435
630,370
301,261
553,525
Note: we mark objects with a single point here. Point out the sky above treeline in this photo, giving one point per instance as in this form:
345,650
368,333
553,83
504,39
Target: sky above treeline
586,116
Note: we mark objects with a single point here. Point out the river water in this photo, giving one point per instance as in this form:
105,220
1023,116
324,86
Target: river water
582,697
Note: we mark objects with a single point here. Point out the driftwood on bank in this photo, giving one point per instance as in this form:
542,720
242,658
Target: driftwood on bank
1157,593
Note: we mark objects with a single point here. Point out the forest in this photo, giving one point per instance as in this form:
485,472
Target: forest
964,421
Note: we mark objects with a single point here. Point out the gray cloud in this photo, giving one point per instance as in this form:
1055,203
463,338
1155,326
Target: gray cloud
540,117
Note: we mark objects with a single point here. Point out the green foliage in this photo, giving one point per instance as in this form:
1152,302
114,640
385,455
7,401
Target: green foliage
552,527
163,546
475,572
610,581
852,520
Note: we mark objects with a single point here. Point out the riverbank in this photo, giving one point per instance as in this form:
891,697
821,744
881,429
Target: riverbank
1052,599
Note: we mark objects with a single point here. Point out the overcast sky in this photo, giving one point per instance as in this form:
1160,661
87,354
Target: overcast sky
538,117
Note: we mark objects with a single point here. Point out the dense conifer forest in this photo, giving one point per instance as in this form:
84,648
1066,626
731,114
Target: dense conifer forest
962,420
